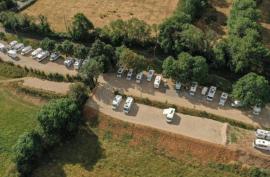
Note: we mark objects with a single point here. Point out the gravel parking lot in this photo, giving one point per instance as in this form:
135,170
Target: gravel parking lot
195,127
182,98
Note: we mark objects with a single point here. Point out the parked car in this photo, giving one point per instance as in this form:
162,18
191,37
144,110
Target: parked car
263,134
193,88
77,64
204,91
26,50
178,85
43,55
54,56
12,54
157,81
262,144
120,72
223,98
257,110
169,114
129,74
2,48
116,101
139,77
128,104
211,93
12,44
36,52
68,62
236,104
18,47
150,75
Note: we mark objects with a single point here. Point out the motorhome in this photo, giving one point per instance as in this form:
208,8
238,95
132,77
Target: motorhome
43,55
12,54
262,144
26,50
157,81
204,91
178,85
129,74
36,52
116,101
223,98
54,56
169,113
2,48
193,88
211,93
257,110
139,77
77,64
150,75
263,134
68,62
18,47
120,72
12,44
128,104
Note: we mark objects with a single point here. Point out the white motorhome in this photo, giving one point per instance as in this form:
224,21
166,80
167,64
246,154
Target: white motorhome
169,113
43,55
68,62
193,88
262,144
139,77
263,134
128,104
223,98
36,52
257,110
12,54
211,93
26,50
77,64
120,72
204,91
157,81
18,47
129,74
2,48
178,85
116,101
150,74
12,44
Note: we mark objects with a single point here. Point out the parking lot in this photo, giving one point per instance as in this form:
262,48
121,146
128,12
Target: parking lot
182,98
195,127
45,65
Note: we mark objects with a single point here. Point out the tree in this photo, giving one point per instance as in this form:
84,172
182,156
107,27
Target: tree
251,90
43,25
199,69
91,71
27,150
48,44
67,47
168,66
79,93
79,30
194,8
129,59
59,119
80,51
6,4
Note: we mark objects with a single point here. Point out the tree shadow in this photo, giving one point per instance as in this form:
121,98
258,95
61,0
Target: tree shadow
84,151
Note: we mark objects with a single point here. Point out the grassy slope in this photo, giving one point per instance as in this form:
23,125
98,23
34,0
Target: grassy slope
16,117
115,158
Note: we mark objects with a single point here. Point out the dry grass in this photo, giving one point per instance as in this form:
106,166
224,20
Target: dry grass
102,12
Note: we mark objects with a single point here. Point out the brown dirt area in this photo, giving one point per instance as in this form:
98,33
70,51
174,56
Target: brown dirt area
176,146
102,12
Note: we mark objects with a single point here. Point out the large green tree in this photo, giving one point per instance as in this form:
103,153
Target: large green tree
67,47
48,44
194,8
90,72
251,90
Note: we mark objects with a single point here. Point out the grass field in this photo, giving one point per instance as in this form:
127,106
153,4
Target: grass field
102,12
16,117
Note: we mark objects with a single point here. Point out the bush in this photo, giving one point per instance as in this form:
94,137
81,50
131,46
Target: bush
79,93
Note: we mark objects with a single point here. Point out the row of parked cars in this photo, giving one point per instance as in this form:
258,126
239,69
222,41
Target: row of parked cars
208,92
127,106
262,140
14,48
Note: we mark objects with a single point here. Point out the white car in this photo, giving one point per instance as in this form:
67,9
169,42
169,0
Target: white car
169,113
211,93
12,54
129,74
54,56
178,85
236,104
2,48
68,62
77,64
116,101
157,81
223,98
26,50
18,47
139,77
193,88
36,52
43,55
204,91
257,110
120,72
150,75
262,144
12,44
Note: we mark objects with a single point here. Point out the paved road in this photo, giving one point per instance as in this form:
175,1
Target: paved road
195,127
182,98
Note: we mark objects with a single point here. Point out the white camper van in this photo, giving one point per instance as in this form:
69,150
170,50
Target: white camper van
120,72
211,93
128,104
129,74
2,48
193,88
139,77
262,144
26,50
169,113
43,55
12,54
36,52
18,47
263,134
157,81
223,98
204,91
257,110
116,101
12,44
150,74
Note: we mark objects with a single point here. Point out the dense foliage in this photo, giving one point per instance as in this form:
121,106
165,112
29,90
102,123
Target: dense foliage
90,72
194,8
6,4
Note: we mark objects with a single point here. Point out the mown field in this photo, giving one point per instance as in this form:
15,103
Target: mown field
16,117
102,12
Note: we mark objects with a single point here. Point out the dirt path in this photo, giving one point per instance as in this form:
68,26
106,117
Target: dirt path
195,127
182,98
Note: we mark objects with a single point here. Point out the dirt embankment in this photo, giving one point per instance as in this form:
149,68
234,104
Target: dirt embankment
175,146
